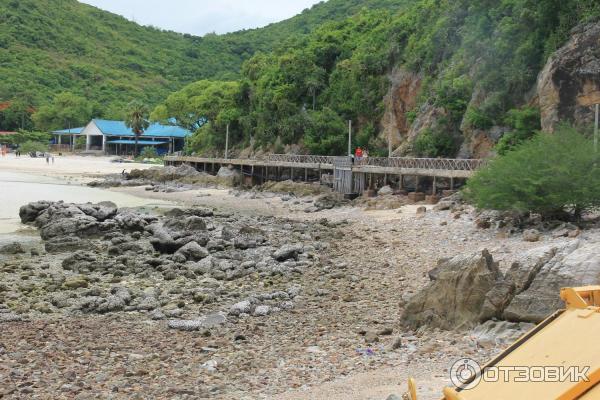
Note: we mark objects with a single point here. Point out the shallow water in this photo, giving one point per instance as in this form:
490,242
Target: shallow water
17,189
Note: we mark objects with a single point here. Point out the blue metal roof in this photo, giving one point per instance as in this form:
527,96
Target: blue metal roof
72,131
118,128
140,142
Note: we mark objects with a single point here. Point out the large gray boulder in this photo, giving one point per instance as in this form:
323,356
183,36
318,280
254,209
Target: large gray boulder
186,223
80,225
288,251
29,212
456,298
193,252
205,322
229,176
67,244
577,264
12,248
101,211
133,221
469,289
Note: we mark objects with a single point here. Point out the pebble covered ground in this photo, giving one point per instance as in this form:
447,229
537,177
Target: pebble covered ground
345,321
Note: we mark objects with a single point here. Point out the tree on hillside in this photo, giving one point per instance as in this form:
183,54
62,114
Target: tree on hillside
197,103
206,108
16,116
137,120
315,82
552,175
65,112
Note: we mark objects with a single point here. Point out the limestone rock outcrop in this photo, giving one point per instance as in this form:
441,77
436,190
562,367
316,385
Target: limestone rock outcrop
400,99
470,289
573,265
455,299
570,81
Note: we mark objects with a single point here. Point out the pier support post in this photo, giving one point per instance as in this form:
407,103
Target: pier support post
416,183
451,183
434,189
305,174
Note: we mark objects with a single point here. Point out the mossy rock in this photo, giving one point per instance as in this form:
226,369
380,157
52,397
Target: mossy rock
76,282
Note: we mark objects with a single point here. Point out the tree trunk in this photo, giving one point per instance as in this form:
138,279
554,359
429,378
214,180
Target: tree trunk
135,151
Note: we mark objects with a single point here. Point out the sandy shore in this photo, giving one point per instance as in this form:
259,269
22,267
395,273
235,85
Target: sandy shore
66,166
25,179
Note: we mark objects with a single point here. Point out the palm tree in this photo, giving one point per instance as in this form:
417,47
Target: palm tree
137,120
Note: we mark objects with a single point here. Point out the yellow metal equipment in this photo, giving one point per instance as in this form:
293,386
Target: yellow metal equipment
569,339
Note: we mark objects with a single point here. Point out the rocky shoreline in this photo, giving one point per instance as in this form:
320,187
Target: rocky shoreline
201,303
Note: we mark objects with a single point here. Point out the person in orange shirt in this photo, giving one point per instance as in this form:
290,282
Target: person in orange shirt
358,154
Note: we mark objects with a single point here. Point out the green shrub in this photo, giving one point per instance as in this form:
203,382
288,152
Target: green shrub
26,136
326,133
411,116
550,175
525,123
453,94
435,144
478,119
148,152
80,142
31,146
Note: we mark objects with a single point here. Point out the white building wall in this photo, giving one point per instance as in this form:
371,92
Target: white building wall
90,130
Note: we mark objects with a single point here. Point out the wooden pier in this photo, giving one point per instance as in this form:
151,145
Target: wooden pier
347,176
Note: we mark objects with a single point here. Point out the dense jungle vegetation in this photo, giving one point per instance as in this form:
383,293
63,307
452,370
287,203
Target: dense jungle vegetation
298,81
52,46
306,93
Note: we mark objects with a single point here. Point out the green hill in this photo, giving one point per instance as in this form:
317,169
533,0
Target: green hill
51,46
471,64
468,67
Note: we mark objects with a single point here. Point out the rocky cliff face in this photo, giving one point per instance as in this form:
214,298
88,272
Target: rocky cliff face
570,81
566,88
401,98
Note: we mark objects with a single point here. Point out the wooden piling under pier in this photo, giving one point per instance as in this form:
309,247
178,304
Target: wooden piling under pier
349,176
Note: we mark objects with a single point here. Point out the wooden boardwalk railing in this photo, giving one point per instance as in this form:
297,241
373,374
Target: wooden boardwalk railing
301,159
434,167
452,164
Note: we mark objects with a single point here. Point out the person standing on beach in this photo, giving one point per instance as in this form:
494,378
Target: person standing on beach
47,159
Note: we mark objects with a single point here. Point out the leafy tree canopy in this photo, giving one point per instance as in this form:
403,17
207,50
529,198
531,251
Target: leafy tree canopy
66,111
465,49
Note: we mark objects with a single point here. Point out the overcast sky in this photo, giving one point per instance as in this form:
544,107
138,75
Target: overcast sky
203,16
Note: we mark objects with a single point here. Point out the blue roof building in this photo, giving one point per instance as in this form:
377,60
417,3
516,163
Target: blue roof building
114,137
